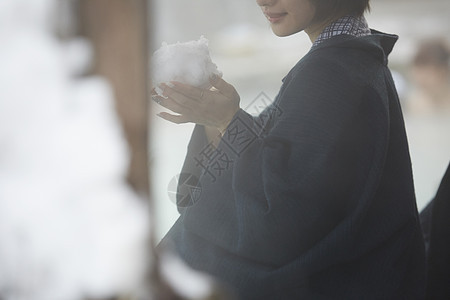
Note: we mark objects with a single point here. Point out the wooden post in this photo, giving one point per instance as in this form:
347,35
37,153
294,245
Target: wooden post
118,31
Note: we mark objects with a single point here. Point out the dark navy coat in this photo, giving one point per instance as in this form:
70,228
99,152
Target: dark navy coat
314,198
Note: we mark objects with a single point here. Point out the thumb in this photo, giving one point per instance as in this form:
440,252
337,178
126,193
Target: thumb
222,86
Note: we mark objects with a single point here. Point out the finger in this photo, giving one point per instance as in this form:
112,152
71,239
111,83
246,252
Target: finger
177,119
222,86
192,92
157,98
179,97
174,106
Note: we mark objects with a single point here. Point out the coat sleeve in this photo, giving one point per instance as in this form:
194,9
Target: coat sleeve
290,186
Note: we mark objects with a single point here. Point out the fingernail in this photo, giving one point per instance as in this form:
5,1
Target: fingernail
162,88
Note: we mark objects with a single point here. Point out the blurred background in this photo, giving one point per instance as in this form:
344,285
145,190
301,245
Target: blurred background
74,211
82,188
254,60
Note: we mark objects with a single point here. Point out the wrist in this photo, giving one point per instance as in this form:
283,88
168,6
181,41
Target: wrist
222,128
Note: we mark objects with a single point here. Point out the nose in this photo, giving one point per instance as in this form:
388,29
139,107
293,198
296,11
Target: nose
265,2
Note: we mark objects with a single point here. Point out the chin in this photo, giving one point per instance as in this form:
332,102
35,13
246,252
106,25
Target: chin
283,33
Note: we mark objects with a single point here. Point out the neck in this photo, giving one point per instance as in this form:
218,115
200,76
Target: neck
315,29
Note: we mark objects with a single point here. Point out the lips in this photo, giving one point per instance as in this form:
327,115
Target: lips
275,17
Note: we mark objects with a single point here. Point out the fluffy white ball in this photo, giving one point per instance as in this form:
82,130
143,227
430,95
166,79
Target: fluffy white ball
188,63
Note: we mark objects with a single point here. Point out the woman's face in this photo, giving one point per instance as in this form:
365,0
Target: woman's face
287,17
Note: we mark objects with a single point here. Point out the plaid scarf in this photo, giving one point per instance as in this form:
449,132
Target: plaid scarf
355,26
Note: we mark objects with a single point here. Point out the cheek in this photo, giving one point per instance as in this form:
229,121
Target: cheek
300,16
262,2
304,15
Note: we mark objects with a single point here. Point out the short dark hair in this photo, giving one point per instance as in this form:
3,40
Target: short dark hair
332,9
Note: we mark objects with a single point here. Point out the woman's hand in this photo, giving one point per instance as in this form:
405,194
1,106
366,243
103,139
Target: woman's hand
213,108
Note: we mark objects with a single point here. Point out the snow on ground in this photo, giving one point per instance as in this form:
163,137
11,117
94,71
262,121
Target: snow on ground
70,226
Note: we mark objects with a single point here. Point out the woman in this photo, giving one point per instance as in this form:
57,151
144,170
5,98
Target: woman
314,198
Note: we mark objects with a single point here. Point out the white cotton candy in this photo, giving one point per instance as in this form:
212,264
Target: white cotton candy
188,63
